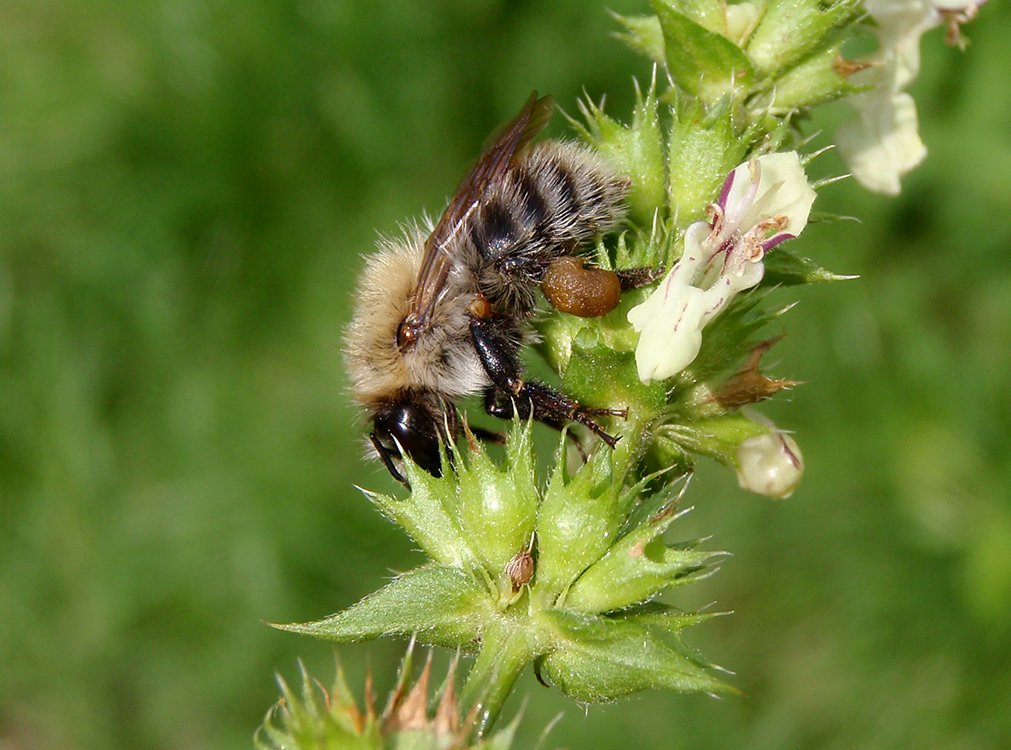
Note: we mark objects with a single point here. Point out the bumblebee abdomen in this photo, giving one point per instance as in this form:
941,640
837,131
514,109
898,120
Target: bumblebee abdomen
557,196
570,190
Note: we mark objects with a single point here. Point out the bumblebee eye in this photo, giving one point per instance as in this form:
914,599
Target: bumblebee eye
415,429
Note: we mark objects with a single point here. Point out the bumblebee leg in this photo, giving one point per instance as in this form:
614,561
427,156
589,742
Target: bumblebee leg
553,407
530,397
633,278
503,405
499,404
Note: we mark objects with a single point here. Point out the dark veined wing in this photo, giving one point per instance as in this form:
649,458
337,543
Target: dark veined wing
491,166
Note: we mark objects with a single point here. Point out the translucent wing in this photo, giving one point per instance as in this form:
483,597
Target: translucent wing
491,166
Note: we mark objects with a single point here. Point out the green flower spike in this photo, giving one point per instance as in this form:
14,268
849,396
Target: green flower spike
565,580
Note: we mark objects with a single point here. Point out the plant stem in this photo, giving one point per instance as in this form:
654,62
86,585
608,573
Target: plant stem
505,650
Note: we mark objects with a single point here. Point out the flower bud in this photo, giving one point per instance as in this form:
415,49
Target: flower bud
770,464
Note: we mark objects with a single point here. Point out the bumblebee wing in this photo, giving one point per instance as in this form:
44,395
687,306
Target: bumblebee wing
491,166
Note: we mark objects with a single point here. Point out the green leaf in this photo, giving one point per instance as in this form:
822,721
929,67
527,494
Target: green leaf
702,62
442,605
784,267
601,658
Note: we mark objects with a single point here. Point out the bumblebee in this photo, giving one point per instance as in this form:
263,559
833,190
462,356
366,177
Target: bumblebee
443,312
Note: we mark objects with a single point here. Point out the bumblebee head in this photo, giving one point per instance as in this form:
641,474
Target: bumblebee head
415,424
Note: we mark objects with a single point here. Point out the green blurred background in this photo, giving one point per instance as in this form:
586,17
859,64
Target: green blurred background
186,188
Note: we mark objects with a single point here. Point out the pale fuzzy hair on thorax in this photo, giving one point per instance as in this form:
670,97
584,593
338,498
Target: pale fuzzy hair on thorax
376,367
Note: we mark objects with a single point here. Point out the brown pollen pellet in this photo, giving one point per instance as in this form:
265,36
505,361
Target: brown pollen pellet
587,292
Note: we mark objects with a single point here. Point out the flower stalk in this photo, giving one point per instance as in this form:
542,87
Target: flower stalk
504,654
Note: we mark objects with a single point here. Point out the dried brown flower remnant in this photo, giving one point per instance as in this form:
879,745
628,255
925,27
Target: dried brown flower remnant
748,385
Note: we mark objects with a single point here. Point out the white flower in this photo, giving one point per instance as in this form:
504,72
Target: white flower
881,143
762,191
671,320
762,203
770,464
900,24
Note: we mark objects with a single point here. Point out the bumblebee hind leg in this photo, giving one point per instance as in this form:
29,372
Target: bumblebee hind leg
511,395
634,278
549,407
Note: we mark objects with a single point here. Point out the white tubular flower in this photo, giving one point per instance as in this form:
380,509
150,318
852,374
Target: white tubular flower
763,202
900,24
881,143
671,320
770,464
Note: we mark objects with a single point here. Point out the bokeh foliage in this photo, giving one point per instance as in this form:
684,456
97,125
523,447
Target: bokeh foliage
185,191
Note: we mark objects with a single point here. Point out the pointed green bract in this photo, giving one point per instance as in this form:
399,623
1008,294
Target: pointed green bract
637,567
644,35
440,604
784,267
717,437
790,30
710,14
496,506
577,521
814,81
602,658
316,718
428,516
704,63
704,146
635,150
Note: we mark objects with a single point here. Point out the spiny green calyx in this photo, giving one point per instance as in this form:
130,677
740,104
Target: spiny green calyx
316,718
779,53
564,578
